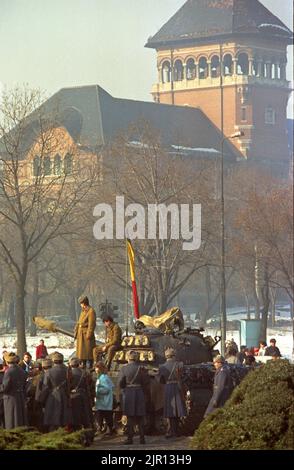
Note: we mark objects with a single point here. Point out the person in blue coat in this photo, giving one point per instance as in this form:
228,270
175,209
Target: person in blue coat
104,398
222,385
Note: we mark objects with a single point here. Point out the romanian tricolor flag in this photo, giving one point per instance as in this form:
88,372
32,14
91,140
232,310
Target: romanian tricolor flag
131,256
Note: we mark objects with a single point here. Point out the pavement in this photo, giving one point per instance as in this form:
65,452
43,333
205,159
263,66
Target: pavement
115,442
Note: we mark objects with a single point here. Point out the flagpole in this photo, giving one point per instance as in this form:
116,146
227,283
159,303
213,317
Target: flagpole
126,299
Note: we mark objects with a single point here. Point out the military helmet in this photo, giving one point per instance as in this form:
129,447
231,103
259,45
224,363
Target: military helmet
169,352
56,357
74,362
47,362
11,358
219,358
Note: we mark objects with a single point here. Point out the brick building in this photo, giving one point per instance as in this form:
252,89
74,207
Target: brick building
228,57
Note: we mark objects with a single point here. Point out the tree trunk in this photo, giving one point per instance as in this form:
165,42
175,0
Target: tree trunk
20,318
72,307
256,290
208,294
35,299
266,303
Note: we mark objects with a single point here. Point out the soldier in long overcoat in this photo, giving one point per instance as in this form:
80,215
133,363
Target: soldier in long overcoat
57,412
174,405
113,341
84,332
80,401
13,388
134,380
1,395
222,385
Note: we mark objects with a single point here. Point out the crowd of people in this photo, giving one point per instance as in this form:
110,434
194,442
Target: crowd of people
47,394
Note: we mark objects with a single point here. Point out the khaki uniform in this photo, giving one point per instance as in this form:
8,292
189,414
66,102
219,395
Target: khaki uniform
84,334
113,344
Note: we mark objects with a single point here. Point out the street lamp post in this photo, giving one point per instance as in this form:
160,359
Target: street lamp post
223,307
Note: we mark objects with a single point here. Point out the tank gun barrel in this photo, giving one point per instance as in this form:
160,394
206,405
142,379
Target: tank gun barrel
49,325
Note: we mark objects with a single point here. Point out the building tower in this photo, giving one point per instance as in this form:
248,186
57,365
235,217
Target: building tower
232,52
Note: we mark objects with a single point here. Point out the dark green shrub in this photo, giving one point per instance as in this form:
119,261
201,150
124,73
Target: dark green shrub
259,414
30,439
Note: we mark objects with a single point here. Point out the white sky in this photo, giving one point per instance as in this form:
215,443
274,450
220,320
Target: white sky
52,44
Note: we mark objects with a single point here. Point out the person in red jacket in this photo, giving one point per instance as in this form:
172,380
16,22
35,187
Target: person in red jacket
41,350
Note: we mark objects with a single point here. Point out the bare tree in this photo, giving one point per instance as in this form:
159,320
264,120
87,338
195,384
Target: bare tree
37,202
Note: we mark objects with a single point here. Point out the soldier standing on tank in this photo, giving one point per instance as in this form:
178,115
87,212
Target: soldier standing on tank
113,341
133,380
84,332
222,385
56,379
174,404
80,397
13,388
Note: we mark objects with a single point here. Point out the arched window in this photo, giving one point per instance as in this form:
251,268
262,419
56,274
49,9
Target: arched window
178,71
203,68
68,164
242,64
228,64
191,69
47,166
215,66
37,166
57,165
166,72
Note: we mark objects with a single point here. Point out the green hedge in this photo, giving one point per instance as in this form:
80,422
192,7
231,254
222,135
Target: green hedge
28,439
259,415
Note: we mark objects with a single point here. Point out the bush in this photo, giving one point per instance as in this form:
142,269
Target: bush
259,415
30,439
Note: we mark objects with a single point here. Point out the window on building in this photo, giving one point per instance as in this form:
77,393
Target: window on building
191,69
228,64
37,166
243,64
68,164
243,114
203,68
215,66
47,166
166,75
178,71
270,116
57,165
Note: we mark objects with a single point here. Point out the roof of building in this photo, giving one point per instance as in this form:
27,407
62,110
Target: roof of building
94,118
199,20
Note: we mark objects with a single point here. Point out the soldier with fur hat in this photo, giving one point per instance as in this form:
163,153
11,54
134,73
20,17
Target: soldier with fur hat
222,385
133,379
84,332
13,388
80,399
57,412
174,405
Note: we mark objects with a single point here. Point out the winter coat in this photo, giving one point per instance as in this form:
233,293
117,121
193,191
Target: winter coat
80,402
174,404
271,350
222,389
41,351
84,334
13,388
56,412
114,334
104,393
133,398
